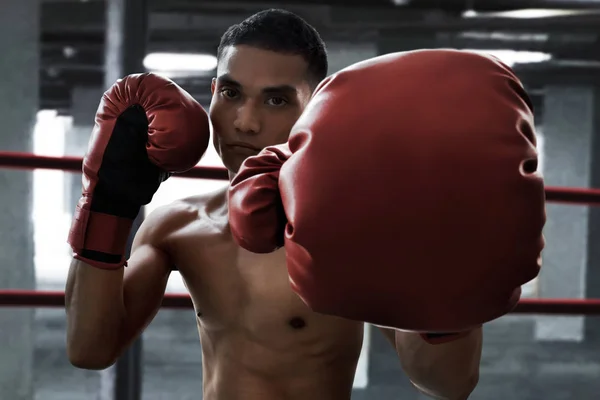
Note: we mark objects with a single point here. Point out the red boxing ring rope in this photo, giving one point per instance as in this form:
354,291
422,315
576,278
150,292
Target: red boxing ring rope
73,164
31,298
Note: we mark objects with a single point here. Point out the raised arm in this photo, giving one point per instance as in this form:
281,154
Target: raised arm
448,370
146,127
108,309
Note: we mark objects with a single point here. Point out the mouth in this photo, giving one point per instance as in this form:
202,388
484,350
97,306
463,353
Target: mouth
243,145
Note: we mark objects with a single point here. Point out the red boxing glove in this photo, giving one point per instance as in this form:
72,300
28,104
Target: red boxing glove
256,210
146,128
411,195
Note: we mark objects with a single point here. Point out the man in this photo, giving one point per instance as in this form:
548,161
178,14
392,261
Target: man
259,340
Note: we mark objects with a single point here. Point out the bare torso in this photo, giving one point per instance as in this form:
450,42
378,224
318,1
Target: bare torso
259,340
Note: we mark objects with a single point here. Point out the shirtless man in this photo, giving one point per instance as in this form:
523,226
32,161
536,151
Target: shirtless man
259,340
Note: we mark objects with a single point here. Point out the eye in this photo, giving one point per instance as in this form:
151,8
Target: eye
228,93
277,101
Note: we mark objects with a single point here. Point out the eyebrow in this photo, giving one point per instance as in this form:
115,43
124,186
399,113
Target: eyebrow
228,80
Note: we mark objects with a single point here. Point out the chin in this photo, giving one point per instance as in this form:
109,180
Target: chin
232,164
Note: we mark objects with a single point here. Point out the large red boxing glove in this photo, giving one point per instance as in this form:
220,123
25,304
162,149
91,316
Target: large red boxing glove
411,195
146,128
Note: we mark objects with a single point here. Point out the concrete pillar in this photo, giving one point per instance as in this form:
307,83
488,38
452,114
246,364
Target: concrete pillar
592,324
19,70
567,130
126,38
126,45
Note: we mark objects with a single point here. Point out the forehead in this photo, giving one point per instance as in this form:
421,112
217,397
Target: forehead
255,68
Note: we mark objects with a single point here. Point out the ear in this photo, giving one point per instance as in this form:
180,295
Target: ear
213,84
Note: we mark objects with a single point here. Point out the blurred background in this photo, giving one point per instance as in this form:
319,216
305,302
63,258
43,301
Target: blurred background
58,56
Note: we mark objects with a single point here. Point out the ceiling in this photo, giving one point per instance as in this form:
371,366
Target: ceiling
73,35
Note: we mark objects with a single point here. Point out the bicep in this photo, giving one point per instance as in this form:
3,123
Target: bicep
144,284
146,276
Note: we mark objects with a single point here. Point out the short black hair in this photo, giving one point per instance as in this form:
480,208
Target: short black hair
283,32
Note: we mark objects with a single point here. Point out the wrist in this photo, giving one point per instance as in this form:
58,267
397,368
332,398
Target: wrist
99,239
106,237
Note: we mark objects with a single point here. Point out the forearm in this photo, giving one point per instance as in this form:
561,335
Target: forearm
446,371
95,314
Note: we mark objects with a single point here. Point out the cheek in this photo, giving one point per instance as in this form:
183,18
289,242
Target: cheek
285,123
218,117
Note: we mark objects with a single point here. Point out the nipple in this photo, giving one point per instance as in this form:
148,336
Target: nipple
297,323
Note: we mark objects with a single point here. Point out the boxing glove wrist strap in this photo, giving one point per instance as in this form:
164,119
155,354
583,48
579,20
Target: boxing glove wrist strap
100,239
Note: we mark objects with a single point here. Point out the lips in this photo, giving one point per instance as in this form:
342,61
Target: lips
242,145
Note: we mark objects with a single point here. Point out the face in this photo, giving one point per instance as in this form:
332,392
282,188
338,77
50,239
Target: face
257,97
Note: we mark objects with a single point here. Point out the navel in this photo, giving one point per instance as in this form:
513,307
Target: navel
297,323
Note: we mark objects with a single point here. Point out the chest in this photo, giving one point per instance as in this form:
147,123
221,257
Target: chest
233,288
246,298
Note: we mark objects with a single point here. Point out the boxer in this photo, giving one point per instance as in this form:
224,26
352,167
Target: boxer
259,339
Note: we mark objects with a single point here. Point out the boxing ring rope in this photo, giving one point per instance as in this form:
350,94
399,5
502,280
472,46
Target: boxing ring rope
49,299
16,160
33,298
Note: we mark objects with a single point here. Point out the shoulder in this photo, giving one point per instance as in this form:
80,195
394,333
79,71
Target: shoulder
165,220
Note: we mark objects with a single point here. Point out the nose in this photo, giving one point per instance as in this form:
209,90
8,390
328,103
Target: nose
247,119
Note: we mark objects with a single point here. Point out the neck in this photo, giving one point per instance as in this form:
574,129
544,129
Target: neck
231,175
